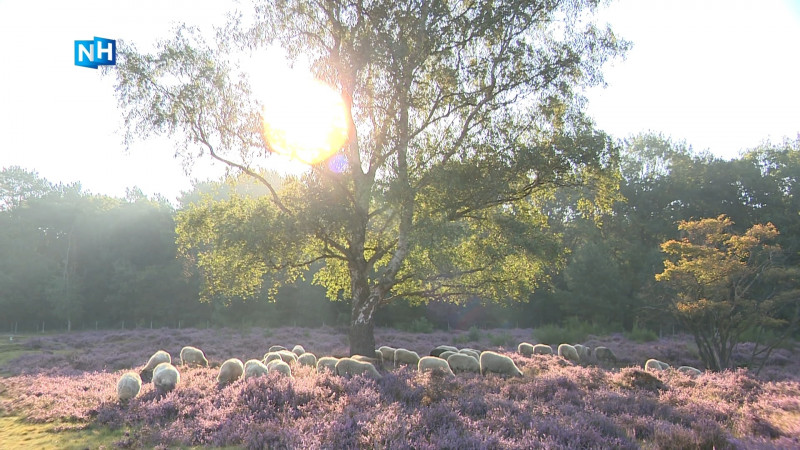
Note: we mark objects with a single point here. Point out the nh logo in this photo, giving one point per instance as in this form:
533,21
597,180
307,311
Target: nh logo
99,52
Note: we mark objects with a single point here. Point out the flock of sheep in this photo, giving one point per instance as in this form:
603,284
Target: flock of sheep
443,359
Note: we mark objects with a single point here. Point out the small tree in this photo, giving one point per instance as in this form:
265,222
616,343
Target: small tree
726,284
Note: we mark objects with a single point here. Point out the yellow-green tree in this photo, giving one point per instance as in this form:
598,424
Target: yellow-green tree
724,284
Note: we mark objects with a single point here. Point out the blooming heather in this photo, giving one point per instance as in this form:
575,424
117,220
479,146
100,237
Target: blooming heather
552,406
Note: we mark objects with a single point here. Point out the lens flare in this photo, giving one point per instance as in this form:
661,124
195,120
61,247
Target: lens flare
305,119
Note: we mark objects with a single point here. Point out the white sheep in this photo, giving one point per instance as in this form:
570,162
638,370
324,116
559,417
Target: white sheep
327,363
276,348
281,367
298,350
654,365
230,371
462,362
166,377
387,352
434,364
446,354
193,356
689,370
542,349
605,354
270,356
158,357
287,356
284,355
443,348
307,359
375,361
254,368
468,351
405,357
350,366
128,386
497,363
525,349
568,352
583,351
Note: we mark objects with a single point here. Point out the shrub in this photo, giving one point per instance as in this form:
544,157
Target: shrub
503,339
420,325
641,335
573,331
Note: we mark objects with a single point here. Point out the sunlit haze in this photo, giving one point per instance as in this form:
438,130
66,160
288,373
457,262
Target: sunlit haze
304,119
721,75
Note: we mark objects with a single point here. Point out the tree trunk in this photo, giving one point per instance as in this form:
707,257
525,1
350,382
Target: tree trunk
362,316
362,338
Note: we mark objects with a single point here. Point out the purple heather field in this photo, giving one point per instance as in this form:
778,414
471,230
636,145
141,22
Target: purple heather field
70,380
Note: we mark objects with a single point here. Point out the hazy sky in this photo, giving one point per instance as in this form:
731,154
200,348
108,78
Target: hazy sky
720,74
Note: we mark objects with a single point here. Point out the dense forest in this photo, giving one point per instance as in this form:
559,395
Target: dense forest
71,259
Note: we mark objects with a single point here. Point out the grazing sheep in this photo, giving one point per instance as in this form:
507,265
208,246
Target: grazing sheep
569,353
230,371
158,357
583,351
461,362
284,355
405,357
542,349
689,370
166,377
446,354
374,361
128,386
287,356
307,359
254,368
525,349
387,352
443,348
497,363
327,363
298,350
350,366
270,356
281,367
193,356
605,354
434,364
468,351
276,348
654,365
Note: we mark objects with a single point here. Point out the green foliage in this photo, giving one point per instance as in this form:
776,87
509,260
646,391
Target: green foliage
502,339
574,331
641,335
454,134
419,325
724,283
473,335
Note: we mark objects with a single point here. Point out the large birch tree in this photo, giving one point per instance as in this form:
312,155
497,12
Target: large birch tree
461,114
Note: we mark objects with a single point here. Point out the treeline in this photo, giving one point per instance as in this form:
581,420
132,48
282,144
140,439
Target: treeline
75,260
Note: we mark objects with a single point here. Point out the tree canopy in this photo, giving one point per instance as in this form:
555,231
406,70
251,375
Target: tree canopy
725,283
460,114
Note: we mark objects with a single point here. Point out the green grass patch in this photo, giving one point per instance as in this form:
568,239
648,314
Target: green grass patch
10,351
16,433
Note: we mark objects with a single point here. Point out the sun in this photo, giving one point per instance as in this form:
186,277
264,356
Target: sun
303,118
